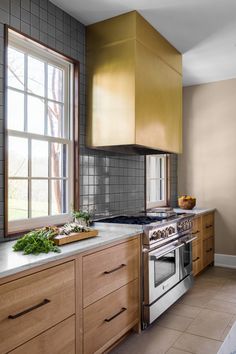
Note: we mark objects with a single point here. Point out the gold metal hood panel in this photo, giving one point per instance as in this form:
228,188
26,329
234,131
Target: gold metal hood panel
134,88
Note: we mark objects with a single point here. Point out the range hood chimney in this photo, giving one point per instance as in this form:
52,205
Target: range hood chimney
134,88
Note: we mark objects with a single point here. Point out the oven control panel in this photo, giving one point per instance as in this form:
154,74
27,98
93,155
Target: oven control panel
163,233
184,225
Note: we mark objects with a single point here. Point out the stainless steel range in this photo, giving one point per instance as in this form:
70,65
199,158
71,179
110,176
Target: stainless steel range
166,259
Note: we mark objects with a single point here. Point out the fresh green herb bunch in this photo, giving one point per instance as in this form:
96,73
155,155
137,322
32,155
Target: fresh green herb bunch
80,214
38,241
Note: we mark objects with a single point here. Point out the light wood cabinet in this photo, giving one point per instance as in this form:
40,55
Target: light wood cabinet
203,246
111,295
208,225
57,340
34,303
79,304
197,230
109,269
110,318
208,251
197,258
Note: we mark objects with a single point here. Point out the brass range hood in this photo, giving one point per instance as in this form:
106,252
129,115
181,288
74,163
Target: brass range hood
134,88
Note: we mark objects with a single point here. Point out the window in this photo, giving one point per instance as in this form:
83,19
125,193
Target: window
38,134
156,182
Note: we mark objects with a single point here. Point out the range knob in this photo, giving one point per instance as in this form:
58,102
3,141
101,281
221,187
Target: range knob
163,234
156,235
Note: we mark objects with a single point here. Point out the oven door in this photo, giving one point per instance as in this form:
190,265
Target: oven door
161,271
186,256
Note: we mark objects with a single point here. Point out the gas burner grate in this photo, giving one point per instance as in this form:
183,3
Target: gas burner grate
133,220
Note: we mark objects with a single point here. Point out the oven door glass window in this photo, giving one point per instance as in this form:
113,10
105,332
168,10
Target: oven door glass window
164,267
187,255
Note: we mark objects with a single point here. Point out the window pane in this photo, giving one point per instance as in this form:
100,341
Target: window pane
55,83
17,199
55,119
39,198
35,115
39,158
17,157
15,110
58,197
35,76
15,69
58,160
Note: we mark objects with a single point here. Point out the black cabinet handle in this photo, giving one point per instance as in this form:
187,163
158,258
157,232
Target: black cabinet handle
210,249
19,314
115,269
196,259
196,232
117,314
208,226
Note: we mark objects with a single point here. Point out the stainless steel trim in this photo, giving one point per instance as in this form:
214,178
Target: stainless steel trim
191,240
152,292
159,254
151,312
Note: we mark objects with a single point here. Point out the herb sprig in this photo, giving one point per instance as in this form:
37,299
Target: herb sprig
38,241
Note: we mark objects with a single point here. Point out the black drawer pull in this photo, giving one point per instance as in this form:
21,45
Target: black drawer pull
208,226
196,232
117,314
210,249
196,259
44,302
115,269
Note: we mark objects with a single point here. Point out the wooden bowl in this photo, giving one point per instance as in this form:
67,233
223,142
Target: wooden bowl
186,203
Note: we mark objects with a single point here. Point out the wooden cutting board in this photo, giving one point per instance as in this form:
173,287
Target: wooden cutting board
73,237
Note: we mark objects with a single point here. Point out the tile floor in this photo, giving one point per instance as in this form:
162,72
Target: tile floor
197,323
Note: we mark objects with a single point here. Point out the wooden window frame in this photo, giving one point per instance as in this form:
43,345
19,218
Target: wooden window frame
75,124
166,202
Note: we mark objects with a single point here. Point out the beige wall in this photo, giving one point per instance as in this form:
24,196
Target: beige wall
207,167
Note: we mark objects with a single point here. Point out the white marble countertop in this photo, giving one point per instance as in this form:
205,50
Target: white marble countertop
13,262
197,211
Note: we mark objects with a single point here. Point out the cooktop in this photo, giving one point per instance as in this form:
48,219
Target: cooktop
137,219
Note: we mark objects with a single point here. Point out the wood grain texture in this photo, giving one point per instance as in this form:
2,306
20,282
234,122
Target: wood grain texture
197,229
203,247
208,225
96,283
73,237
59,339
56,284
197,258
208,251
99,334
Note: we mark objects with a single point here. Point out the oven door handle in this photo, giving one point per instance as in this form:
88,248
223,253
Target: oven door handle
191,240
157,255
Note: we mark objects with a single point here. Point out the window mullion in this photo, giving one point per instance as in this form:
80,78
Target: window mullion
29,180
25,93
49,179
45,98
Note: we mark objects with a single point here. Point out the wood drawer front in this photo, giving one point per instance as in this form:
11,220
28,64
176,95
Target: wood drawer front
59,339
208,225
120,308
109,269
208,251
196,229
30,293
197,258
